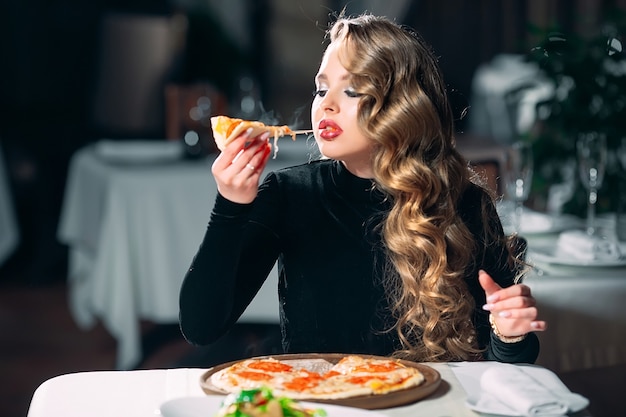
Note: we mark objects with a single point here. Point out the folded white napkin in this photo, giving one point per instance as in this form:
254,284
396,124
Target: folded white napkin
581,245
139,150
530,222
518,390
535,222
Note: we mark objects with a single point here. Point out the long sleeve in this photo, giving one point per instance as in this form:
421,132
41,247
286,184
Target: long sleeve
525,351
233,261
319,221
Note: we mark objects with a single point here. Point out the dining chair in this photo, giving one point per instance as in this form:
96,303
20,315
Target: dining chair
485,156
137,53
489,171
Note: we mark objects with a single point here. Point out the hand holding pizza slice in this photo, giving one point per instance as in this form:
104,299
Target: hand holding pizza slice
238,168
226,129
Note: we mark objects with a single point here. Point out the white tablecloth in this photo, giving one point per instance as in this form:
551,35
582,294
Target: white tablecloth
140,393
9,230
133,229
585,307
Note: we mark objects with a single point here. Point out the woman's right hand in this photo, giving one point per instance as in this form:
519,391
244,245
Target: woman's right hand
238,168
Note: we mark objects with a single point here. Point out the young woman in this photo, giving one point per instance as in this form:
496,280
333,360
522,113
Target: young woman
386,245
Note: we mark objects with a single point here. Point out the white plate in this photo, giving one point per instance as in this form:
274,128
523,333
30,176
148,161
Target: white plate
534,222
547,254
208,405
494,399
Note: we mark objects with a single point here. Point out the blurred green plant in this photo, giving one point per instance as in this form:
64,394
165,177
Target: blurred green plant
589,79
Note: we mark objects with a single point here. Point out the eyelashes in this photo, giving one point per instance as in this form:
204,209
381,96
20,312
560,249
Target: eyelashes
348,92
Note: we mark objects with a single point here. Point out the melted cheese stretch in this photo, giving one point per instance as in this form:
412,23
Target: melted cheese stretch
278,132
226,129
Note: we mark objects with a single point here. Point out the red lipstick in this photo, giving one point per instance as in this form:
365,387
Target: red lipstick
329,129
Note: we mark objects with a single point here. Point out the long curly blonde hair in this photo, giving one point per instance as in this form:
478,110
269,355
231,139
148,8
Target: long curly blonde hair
404,109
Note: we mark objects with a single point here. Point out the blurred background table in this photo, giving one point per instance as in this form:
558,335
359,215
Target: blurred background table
585,309
9,230
133,226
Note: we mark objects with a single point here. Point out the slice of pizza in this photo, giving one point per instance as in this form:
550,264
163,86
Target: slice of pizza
381,376
250,373
226,129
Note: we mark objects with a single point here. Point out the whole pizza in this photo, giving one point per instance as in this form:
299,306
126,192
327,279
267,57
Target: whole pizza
351,376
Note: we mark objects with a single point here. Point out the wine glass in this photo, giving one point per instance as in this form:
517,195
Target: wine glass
620,220
592,154
518,175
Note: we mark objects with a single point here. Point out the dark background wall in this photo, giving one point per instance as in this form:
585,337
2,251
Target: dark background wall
49,70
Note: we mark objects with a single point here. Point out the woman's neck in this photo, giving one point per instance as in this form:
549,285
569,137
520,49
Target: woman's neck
361,170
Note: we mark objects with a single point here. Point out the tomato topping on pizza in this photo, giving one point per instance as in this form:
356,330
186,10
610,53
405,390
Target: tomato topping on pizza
272,366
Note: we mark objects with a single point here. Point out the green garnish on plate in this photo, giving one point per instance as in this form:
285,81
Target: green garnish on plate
261,402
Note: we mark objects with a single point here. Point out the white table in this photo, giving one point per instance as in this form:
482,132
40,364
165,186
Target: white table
132,230
140,393
585,308
9,230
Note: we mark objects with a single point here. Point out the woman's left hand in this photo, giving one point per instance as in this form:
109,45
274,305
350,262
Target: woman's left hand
513,308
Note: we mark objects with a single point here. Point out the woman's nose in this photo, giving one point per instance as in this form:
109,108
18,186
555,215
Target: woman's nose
329,103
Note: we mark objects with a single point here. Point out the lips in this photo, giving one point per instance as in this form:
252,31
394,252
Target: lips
329,129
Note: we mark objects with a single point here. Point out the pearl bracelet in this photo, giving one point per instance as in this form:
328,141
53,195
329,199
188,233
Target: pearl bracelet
503,338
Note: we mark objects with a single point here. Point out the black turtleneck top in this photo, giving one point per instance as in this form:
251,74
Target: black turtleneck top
322,225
